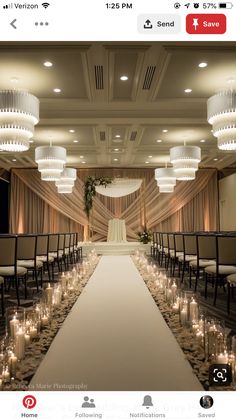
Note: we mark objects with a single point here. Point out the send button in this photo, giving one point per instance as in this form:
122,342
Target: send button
159,24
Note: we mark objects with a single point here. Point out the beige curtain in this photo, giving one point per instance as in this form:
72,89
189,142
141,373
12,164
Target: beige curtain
36,205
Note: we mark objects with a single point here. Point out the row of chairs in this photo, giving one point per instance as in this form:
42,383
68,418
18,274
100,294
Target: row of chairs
212,254
34,253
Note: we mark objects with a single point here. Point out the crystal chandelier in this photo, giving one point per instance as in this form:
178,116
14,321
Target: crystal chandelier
51,161
185,161
19,113
66,182
166,179
221,114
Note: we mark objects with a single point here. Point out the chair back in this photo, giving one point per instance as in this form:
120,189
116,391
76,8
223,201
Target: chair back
42,245
206,246
61,244
67,241
171,241
179,243
8,250
165,240
53,242
226,250
26,247
190,244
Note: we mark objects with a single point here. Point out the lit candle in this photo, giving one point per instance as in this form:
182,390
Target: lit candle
44,320
183,317
6,375
20,344
27,339
33,332
193,307
175,308
222,358
49,294
13,364
13,326
174,289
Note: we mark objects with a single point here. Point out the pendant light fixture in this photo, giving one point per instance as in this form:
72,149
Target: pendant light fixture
166,179
66,182
51,161
185,160
19,113
221,114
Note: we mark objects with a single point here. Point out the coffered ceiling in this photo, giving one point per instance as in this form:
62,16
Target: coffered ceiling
104,121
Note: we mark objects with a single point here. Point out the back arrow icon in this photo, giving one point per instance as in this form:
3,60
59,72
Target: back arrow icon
13,23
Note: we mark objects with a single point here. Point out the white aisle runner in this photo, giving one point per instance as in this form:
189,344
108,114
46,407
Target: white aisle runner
115,338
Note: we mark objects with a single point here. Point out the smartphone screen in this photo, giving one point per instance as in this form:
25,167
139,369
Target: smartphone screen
117,209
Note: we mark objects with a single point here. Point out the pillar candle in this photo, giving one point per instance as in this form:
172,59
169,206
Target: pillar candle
193,311
13,364
6,375
174,289
175,308
27,339
33,332
49,294
20,344
183,317
222,358
44,320
13,326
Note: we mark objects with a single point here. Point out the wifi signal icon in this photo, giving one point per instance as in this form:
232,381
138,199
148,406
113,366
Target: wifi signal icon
45,5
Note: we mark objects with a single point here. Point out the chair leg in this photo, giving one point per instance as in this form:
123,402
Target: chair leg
2,297
25,281
206,279
48,268
17,291
216,289
228,297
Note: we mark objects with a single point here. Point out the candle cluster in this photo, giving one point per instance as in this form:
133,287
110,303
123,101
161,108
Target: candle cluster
209,334
23,326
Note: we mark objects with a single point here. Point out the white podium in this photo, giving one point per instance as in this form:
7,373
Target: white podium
116,231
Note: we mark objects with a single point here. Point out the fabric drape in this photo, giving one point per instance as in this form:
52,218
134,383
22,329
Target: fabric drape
36,205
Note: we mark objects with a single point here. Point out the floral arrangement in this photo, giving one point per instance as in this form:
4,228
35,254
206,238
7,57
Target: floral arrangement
145,236
90,190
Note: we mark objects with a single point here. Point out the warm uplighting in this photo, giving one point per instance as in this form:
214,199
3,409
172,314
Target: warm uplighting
185,161
19,113
51,161
221,114
150,157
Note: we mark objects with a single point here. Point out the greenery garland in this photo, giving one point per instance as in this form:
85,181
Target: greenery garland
90,191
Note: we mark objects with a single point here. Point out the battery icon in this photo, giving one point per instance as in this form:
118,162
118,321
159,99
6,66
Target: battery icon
227,5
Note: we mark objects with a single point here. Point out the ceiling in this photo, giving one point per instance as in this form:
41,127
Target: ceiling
118,123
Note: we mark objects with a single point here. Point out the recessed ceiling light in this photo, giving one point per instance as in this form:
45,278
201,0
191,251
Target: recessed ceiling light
81,157
149,157
115,159
117,136
202,141
124,78
165,130
116,149
71,130
202,65
48,64
211,130
188,90
83,162
75,141
215,159
147,162
31,141
57,90
159,141
13,159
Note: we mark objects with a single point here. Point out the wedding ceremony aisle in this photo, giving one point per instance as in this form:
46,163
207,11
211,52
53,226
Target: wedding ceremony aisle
115,338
